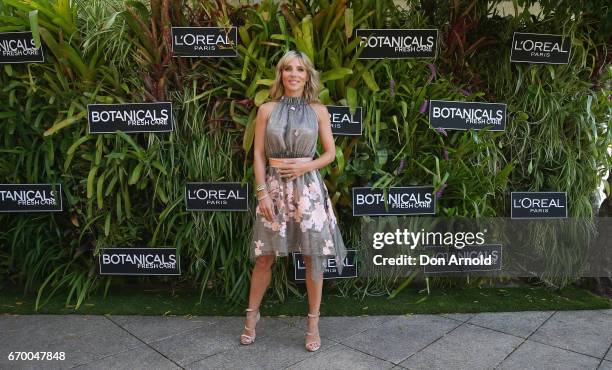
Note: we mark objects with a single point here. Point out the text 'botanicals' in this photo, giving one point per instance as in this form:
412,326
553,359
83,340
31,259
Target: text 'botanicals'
397,43
540,48
136,117
456,115
408,200
139,261
30,197
18,47
204,41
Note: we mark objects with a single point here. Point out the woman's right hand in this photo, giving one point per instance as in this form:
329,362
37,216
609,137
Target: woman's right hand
266,207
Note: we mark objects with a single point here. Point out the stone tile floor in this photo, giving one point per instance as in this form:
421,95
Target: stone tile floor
505,340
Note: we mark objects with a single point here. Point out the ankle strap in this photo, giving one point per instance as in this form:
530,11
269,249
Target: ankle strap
314,314
252,309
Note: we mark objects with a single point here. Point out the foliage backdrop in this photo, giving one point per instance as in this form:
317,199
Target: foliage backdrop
127,190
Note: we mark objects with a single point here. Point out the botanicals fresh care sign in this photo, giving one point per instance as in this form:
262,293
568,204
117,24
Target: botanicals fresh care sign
343,122
540,48
18,47
457,115
538,204
409,200
471,258
397,43
139,261
30,197
204,41
216,196
129,117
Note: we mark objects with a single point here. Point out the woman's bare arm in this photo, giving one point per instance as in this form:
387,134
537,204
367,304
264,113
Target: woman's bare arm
259,154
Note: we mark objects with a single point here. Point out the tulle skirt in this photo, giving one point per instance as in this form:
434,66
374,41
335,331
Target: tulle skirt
304,221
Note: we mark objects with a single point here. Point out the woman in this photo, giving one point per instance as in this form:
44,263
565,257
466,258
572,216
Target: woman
294,211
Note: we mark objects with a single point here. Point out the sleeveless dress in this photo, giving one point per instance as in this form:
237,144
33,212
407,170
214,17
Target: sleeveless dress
304,218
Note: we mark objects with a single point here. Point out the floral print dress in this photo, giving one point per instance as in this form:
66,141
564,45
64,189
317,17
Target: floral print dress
304,218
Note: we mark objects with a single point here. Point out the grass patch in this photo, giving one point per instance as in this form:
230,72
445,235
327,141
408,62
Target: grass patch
185,302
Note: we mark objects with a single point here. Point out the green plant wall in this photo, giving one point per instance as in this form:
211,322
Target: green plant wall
127,189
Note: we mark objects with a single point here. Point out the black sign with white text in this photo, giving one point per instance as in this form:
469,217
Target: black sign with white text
540,48
538,204
409,200
349,267
18,47
343,122
216,196
204,41
30,197
470,258
458,115
139,261
397,43
129,117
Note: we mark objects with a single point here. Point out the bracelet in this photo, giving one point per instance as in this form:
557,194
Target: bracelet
260,187
265,196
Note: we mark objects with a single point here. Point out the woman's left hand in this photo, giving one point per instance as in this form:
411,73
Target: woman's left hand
292,170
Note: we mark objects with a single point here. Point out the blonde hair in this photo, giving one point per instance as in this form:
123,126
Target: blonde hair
312,86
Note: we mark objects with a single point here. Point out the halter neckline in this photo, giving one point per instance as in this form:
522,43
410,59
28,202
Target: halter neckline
293,100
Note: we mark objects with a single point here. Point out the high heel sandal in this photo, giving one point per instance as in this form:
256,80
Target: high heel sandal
250,339
313,345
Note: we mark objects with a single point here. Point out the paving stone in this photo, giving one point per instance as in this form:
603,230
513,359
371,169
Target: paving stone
221,336
281,347
193,345
586,332
83,338
411,341
467,347
520,324
342,357
139,358
605,365
534,355
396,339
339,327
152,328
458,316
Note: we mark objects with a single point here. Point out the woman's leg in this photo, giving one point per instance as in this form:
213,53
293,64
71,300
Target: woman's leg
260,279
314,288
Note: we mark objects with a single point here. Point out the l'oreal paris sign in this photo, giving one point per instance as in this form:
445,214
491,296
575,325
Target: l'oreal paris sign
408,200
349,267
458,115
216,196
343,122
397,43
540,48
204,41
538,204
129,117
18,47
30,197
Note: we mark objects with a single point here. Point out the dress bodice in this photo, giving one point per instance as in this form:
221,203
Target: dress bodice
292,129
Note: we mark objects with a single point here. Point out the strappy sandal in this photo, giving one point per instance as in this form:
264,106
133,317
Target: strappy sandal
246,339
313,345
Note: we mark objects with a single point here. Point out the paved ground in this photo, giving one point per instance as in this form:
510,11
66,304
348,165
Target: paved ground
512,340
